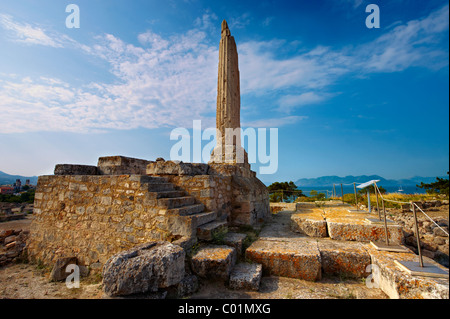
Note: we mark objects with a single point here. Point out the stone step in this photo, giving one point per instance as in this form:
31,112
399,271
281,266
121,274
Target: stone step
214,262
203,218
290,258
176,202
207,231
169,194
245,276
235,240
187,210
160,187
149,179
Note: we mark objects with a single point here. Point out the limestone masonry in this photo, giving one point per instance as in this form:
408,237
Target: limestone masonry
95,212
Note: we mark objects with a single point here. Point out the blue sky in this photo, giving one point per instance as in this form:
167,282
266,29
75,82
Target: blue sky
347,100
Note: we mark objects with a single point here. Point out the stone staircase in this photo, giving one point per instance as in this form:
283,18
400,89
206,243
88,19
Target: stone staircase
212,260
198,222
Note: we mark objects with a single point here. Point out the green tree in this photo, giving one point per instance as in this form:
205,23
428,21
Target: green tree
371,189
316,195
441,186
283,191
27,197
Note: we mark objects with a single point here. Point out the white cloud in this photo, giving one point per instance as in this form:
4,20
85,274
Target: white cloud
409,44
289,102
25,33
240,22
170,81
274,122
267,21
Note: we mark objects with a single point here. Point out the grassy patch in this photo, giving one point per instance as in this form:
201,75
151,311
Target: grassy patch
218,236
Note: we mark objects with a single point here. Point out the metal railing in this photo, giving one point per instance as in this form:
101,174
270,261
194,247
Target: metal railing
413,208
416,226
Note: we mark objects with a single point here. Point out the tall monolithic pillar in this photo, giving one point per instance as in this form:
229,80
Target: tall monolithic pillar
228,122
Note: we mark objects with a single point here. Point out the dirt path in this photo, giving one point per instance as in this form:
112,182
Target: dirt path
23,224
27,281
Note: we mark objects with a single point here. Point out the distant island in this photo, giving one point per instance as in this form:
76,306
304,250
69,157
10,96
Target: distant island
330,180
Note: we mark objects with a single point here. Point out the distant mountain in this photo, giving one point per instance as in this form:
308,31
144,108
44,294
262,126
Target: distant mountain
330,180
6,179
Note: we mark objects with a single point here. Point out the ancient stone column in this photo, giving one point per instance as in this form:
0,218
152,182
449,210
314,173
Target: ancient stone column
228,122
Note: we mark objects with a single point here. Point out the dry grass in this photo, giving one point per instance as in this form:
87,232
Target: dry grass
397,197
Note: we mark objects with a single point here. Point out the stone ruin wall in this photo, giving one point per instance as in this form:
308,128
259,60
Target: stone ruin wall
93,217
209,190
233,191
80,212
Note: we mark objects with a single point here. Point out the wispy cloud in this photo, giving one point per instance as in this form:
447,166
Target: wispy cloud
267,21
169,81
26,33
410,44
275,122
289,102
240,22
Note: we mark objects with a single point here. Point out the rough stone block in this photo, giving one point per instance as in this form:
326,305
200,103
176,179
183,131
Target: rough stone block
207,231
398,284
313,227
246,276
214,262
344,258
9,239
120,165
59,269
295,259
176,168
187,286
71,169
363,232
235,240
146,267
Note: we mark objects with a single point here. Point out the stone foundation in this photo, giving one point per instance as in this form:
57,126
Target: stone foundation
233,191
94,212
94,217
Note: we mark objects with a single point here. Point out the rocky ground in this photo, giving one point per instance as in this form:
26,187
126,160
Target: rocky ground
21,280
30,281
25,281
434,241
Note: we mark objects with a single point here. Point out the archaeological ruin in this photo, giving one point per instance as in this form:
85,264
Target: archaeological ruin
94,212
159,226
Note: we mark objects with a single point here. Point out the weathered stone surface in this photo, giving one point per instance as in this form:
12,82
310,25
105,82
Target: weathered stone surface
344,258
214,262
207,231
235,240
120,165
311,225
59,269
146,267
295,259
276,207
71,169
397,284
13,247
187,286
176,168
246,276
363,232
96,217
9,239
